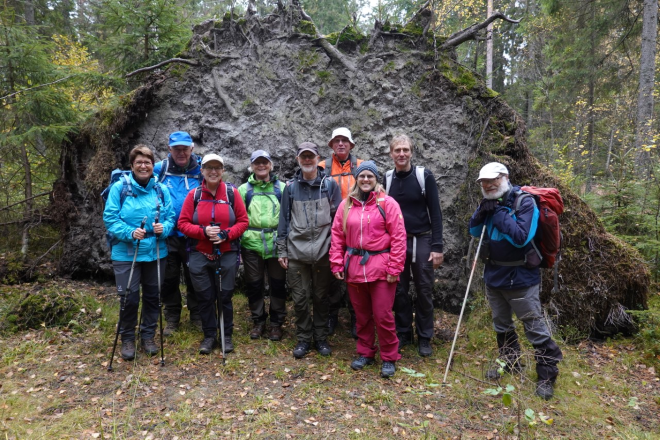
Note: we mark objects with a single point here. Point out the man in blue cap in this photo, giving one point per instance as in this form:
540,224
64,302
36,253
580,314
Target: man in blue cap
180,172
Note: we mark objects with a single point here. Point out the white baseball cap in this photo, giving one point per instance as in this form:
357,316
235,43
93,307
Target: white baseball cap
212,157
492,170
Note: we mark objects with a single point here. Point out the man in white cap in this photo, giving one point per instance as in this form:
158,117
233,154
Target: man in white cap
342,166
512,282
180,172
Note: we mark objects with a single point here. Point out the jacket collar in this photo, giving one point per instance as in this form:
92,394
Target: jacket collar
192,164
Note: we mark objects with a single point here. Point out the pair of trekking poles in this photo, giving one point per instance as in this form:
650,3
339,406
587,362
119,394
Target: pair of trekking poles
128,292
218,293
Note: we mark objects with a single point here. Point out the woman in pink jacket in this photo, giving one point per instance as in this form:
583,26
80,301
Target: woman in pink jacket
368,249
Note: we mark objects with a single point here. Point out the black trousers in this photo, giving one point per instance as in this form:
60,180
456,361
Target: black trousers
177,257
421,272
145,274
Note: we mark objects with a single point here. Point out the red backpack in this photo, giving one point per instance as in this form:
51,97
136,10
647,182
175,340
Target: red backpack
548,234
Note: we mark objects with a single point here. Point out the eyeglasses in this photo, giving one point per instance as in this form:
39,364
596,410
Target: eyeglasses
307,156
214,168
366,177
486,182
140,163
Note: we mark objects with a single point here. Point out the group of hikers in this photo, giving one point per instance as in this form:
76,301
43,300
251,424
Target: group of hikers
337,233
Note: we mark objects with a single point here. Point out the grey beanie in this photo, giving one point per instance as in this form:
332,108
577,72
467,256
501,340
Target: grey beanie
367,165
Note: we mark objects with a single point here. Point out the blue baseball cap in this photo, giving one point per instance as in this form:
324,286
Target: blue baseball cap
180,138
260,153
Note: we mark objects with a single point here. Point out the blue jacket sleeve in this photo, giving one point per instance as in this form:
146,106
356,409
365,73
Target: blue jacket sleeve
112,215
476,223
520,228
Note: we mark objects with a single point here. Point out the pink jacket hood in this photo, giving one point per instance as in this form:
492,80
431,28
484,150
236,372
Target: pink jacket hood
367,229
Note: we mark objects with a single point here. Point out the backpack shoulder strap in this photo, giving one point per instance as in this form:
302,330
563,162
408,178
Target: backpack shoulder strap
126,188
248,195
388,180
419,172
380,203
277,190
353,163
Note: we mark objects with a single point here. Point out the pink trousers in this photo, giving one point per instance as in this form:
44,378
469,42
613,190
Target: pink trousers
373,308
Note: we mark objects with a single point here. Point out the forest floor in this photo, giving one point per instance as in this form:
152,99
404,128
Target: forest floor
54,384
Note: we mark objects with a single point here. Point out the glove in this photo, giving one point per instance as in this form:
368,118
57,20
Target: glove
224,234
486,207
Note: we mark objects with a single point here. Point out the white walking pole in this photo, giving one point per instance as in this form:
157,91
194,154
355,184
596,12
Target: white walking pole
460,317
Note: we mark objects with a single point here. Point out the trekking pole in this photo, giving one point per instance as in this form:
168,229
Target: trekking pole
121,299
160,295
218,296
460,317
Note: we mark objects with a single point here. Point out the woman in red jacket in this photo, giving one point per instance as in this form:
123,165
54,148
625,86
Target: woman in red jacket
213,217
369,250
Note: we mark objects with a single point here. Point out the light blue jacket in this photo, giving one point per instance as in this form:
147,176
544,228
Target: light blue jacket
179,181
122,220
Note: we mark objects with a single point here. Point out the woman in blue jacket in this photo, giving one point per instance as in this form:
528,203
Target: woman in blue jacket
132,199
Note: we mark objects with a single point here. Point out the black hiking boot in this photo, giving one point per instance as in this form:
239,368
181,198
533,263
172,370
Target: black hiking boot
323,348
257,330
424,347
302,348
229,345
361,362
545,389
170,328
206,347
404,339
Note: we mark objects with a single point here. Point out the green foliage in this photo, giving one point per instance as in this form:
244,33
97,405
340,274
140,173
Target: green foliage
333,15
136,33
647,338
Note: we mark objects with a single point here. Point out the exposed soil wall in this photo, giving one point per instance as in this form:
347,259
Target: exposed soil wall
270,83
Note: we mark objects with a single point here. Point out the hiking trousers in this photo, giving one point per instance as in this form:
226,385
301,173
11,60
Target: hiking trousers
372,302
309,284
422,274
255,265
145,274
202,273
177,256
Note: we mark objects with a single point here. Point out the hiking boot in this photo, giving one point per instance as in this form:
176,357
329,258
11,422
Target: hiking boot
170,328
545,389
302,348
323,348
127,351
149,346
257,330
276,333
404,339
361,362
229,345
206,347
388,369
332,324
424,347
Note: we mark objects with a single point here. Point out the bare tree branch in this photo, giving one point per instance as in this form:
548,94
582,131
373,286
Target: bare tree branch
419,11
171,60
25,200
470,33
329,48
37,87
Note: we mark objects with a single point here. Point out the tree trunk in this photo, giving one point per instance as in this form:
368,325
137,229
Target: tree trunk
643,133
27,213
489,48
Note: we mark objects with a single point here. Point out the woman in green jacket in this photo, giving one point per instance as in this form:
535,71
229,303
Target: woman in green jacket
262,194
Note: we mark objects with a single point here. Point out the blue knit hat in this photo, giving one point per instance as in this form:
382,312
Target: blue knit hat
367,165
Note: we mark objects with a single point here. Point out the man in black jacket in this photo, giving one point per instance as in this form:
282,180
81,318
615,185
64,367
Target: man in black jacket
415,190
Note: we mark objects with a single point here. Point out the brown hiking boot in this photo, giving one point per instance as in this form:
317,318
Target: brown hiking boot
170,328
149,346
127,351
257,330
276,333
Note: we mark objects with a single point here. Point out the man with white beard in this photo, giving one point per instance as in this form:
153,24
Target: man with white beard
309,203
512,279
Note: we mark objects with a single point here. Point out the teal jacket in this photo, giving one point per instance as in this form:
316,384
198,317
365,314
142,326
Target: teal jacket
122,220
263,213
